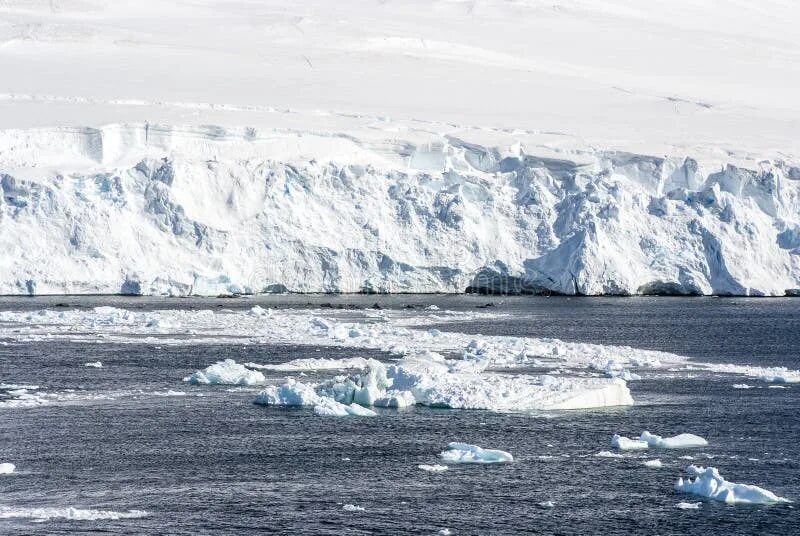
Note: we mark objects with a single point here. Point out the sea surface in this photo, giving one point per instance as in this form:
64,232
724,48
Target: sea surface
206,460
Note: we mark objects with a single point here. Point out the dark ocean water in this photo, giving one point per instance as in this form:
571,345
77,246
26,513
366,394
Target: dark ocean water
211,462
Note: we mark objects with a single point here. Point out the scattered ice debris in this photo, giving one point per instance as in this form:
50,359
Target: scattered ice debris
742,386
608,454
353,508
626,443
465,453
227,372
647,440
653,464
314,364
547,504
73,514
688,505
7,468
435,468
94,364
707,482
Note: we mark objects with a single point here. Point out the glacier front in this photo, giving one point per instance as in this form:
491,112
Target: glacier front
207,211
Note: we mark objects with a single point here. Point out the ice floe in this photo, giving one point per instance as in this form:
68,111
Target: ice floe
94,364
707,482
435,468
353,508
465,453
653,464
227,372
688,505
69,513
7,468
432,381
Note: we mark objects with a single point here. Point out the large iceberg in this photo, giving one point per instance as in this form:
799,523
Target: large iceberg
707,482
465,453
227,372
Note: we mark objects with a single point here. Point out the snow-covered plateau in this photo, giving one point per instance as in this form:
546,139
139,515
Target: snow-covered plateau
364,147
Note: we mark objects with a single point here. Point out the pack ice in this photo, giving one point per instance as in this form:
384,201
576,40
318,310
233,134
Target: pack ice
591,174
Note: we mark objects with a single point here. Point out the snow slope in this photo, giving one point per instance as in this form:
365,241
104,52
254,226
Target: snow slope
582,147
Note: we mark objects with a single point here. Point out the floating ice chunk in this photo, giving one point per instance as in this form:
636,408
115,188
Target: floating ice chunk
608,454
227,372
707,482
626,443
7,468
353,508
432,308
547,504
75,514
688,505
445,532
653,464
94,364
465,453
679,441
765,374
314,364
327,407
435,468
742,386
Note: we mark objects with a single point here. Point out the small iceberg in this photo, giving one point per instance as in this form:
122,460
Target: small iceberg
707,482
680,441
683,505
227,372
465,453
653,464
94,364
7,468
353,508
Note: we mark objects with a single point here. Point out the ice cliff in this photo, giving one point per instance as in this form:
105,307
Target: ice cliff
146,209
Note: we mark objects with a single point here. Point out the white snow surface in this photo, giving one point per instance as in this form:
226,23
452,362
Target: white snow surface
227,372
465,453
707,482
598,170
